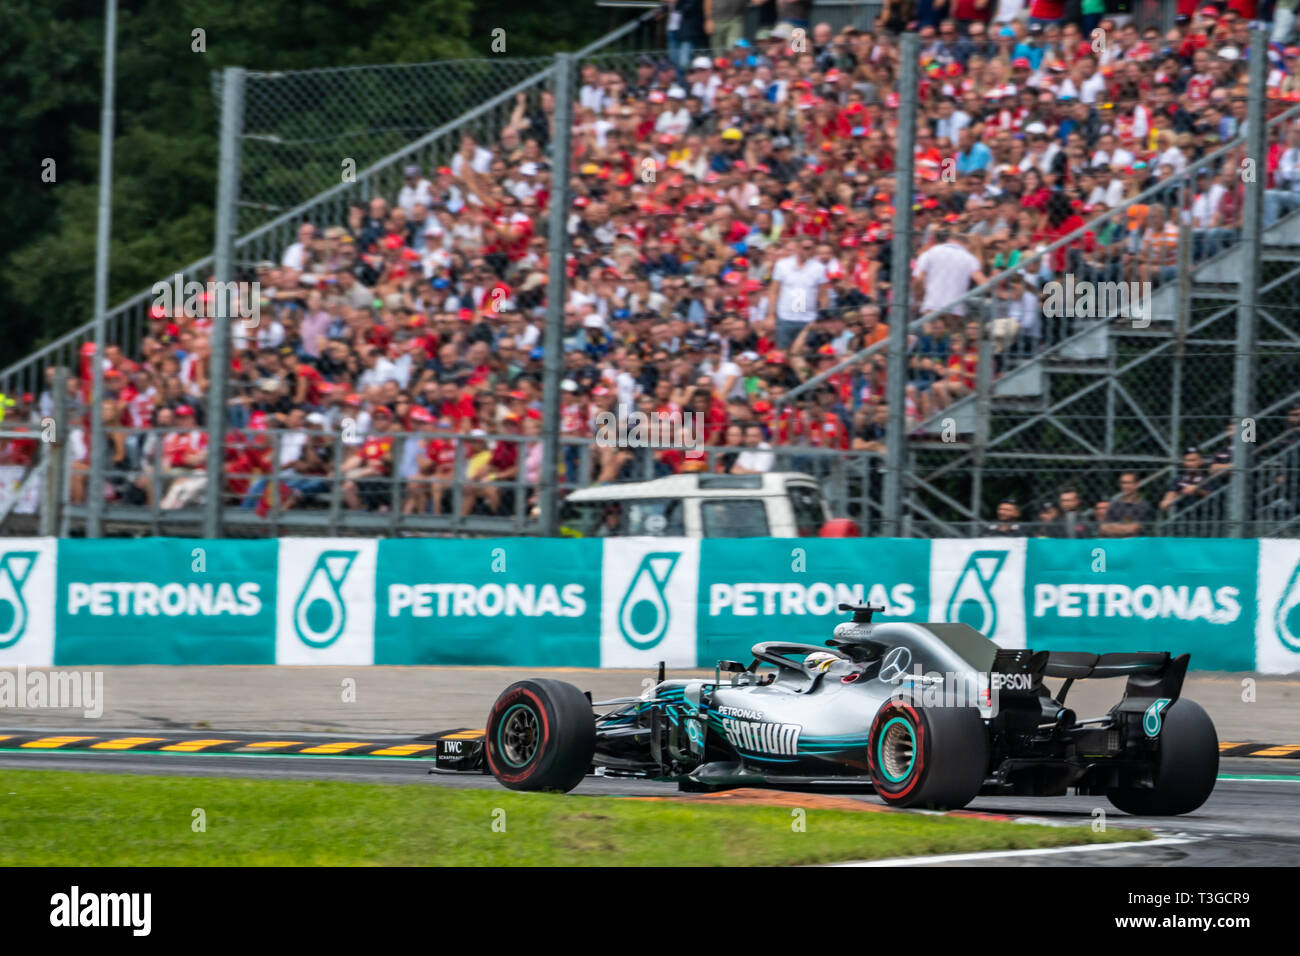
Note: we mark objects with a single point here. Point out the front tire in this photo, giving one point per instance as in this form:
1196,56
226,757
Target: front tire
541,735
935,757
1187,765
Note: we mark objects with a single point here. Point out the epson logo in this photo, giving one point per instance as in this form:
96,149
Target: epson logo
1011,682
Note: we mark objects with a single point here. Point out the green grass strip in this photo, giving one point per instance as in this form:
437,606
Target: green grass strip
62,818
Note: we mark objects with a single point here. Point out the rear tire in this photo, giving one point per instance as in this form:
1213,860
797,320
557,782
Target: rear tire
1187,765
541,735
935,758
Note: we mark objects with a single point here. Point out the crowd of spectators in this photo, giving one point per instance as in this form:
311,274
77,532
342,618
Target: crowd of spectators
730,231
1125,514
1191,501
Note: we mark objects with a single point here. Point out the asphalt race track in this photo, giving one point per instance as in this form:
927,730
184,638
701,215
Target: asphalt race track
220,721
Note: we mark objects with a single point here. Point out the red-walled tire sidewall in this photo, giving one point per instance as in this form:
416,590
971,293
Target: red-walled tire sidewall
950,756
567,732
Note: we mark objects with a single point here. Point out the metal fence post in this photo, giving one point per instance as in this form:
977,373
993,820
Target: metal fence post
273,477
983,407
1243,385
95,424
232,120
156,483
52,504
1182,320
558,248
900,284
338,456
459,475
395,491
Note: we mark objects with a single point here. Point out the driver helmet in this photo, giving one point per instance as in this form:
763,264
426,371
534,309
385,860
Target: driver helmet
820,660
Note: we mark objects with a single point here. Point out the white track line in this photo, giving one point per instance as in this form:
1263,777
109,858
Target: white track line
1002,854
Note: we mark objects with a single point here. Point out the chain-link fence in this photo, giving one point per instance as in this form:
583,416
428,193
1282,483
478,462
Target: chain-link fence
305,131
303,127
299,128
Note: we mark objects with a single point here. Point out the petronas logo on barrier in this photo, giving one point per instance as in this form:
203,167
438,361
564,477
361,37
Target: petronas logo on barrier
644,615
972,600
15,566
1286,619
320,614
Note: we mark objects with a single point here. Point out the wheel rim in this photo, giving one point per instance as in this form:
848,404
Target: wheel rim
518,735
896,752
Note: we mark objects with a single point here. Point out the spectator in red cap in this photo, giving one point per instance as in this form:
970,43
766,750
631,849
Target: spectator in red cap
185,458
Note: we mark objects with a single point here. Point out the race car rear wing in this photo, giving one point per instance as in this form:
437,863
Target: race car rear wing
1078,664
1151,676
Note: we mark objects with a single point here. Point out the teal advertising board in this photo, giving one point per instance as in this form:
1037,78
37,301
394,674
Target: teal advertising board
522,602
1147,594
165,601
629,602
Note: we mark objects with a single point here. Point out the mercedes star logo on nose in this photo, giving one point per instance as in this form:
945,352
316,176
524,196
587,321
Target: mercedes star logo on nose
895,663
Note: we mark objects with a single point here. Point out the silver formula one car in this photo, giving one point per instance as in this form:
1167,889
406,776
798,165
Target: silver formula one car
924,715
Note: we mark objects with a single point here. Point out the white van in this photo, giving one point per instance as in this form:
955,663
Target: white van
775,505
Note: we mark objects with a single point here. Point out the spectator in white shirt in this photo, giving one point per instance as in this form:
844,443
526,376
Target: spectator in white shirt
270,333
415,189
625,382
295,257
951,121
1109,189
943,274
1008,10
524,187
1171,152
1042,151
473,155
798,290
592,93
728,379
757,458
675,120
1084,82
1208,235
379,369
1108,154
1024,307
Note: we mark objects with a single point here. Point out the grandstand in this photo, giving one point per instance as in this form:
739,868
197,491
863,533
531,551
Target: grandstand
729,253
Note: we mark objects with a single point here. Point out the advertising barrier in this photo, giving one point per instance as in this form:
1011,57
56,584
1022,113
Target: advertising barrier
629,602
